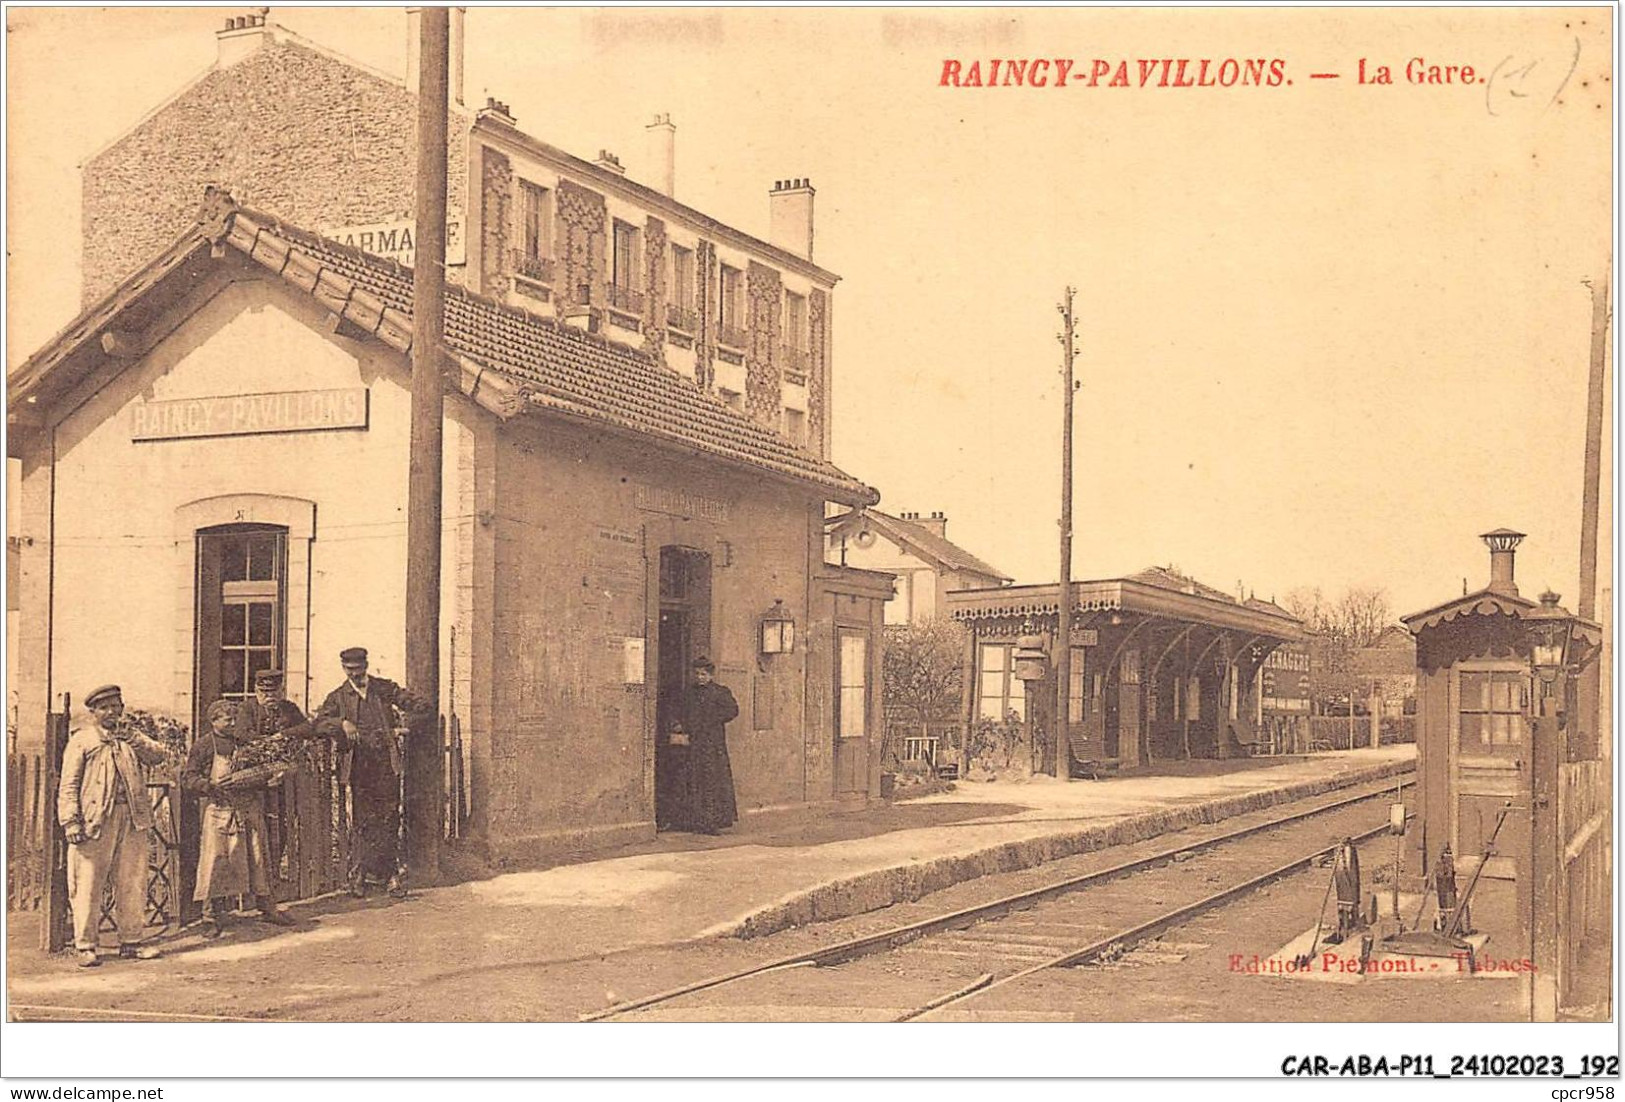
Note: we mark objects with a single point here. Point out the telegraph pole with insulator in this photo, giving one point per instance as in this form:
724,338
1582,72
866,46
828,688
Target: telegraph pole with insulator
1063,626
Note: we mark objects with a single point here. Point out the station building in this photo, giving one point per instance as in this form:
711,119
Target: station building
214,453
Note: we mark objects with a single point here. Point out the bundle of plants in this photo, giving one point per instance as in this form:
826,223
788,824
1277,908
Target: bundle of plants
168,733
261,762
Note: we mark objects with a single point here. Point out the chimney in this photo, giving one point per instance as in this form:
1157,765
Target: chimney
495,108
454,67
241,36
936,523
790,216
610,163
662,143
1503,545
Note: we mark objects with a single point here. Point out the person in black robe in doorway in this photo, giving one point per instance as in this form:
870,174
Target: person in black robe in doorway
704,787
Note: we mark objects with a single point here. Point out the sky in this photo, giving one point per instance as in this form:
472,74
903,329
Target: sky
1328,331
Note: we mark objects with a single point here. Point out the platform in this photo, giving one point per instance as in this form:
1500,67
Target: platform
772,871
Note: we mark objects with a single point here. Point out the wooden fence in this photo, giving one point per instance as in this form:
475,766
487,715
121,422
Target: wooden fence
1332,732
1584,881
29,810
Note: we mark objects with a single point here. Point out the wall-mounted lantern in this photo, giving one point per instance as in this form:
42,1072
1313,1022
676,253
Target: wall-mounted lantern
1550,627
778,630
1032,660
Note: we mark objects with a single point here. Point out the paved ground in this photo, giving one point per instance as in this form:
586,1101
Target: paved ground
431,957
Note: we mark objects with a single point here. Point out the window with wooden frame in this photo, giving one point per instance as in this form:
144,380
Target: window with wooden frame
680,304
626,280
731,307
535,253
240,595
1493,704
853,700
999,691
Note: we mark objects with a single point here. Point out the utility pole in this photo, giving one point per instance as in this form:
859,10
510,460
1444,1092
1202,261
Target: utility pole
424,766
1063,627
1593,455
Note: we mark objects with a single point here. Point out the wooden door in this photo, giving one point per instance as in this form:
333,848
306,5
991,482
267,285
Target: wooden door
852,718
1492,765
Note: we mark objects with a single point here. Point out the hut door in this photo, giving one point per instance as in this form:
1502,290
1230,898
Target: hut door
1492,766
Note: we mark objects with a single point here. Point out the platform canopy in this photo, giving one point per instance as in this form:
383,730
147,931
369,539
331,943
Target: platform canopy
1157,593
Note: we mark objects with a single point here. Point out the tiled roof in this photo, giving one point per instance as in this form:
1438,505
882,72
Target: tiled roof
539,364
1167,578
933,546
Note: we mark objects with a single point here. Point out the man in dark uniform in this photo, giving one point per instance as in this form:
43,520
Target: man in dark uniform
269,712
365,714
705,797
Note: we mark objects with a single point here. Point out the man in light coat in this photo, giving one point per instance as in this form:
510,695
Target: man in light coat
106,815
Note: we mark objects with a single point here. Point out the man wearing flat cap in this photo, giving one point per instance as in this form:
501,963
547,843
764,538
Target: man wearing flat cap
269,711
705,781
106,816
364,715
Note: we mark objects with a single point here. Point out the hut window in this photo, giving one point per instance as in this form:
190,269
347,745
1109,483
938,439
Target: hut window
1493,703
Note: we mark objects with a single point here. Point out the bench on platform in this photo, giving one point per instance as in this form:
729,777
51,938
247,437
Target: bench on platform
1093,769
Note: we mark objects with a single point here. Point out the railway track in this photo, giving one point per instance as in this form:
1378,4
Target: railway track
1059,924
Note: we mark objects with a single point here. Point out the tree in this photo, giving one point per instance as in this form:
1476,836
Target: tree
1338,629
921,673
1363,614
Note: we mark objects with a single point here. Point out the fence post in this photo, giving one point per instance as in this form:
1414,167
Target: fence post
56,925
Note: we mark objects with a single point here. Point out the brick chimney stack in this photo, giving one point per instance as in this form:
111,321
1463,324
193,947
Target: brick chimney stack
936,523
241,36
609,162
454,68
662,155
790,216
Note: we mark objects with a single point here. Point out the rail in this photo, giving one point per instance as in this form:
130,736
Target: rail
853,948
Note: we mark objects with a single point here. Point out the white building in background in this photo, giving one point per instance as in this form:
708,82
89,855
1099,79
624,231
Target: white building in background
916,549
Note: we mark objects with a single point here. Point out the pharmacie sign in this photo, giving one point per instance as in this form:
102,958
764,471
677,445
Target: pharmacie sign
244,414
396,240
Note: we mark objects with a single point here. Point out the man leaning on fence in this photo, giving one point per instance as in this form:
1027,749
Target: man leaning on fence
366,714
106,815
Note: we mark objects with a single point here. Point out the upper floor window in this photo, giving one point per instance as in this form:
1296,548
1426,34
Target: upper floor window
624,281
794,358
680,304
795,321
731,306
626,254
535,231
900,608
682,276
795,426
